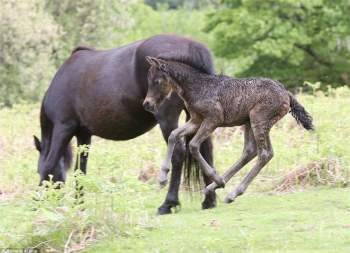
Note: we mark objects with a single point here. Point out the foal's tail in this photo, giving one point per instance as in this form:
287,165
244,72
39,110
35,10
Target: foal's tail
300,114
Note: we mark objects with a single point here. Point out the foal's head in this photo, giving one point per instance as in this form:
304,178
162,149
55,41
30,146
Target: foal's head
159,84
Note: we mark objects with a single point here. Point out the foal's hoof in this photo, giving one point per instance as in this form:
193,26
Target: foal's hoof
162,182
229,199
219,181
163,178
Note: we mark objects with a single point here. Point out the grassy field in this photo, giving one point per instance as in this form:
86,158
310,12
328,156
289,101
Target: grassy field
118,214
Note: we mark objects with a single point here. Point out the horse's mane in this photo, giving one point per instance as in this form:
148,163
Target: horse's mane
79,48
198,57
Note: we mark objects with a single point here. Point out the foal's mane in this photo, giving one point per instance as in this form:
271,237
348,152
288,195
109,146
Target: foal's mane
196,57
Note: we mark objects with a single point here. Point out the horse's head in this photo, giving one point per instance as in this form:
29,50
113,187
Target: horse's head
59,171
159,84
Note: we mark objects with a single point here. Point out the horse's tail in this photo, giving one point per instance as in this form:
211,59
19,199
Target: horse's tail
300,114
46,134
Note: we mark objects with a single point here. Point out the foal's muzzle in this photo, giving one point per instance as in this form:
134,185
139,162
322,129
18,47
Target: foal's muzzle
149,106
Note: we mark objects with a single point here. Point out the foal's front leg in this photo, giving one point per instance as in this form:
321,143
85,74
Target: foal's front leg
175,136
202,134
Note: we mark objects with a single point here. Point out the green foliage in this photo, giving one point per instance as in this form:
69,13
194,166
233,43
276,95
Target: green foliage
36,36
290,40
28,35
177,4
87,22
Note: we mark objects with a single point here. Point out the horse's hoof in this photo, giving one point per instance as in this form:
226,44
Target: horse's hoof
208,204
166,208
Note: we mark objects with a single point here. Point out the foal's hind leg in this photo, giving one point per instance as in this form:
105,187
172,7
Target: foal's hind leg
175,136
202,134
249,152
265,154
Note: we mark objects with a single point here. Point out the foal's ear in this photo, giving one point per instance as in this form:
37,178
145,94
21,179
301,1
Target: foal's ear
152,60
37,143
159,63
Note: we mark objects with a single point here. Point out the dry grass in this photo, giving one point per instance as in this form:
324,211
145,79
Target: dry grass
326,171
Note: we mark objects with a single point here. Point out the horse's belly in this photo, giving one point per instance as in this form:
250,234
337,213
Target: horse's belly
114,116
120,127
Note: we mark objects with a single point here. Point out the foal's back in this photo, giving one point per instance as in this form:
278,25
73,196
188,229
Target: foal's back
240,96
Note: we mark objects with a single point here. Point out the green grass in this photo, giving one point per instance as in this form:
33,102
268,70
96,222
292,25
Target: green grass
119,210
256,223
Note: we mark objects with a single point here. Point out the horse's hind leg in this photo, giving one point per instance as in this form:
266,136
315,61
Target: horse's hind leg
60,138
202,134
249,152
265,154
83,138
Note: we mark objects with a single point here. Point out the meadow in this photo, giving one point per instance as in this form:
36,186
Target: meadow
280,212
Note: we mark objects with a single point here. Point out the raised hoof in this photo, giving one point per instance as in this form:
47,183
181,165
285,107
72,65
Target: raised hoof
162,183
163,177
229,199
219,181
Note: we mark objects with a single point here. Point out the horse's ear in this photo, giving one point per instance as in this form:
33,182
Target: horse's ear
37,143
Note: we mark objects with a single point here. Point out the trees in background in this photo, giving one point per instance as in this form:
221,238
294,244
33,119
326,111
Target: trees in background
28,35
290,40
96,23
36,36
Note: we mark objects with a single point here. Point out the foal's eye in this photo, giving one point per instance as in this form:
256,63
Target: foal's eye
158,82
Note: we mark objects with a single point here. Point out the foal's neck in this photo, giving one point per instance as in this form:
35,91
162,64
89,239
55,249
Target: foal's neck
186,78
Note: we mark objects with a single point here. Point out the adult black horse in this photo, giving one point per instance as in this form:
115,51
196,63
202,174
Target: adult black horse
100,92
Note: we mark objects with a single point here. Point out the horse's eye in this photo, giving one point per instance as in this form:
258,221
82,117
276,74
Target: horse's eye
158,82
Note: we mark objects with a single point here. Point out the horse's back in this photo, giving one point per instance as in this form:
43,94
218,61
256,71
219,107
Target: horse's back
103,90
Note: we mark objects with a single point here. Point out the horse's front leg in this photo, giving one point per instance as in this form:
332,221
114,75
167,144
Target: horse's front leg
174,138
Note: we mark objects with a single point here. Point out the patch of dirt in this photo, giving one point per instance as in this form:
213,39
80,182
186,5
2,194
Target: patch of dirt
147,173
215,223
326,171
